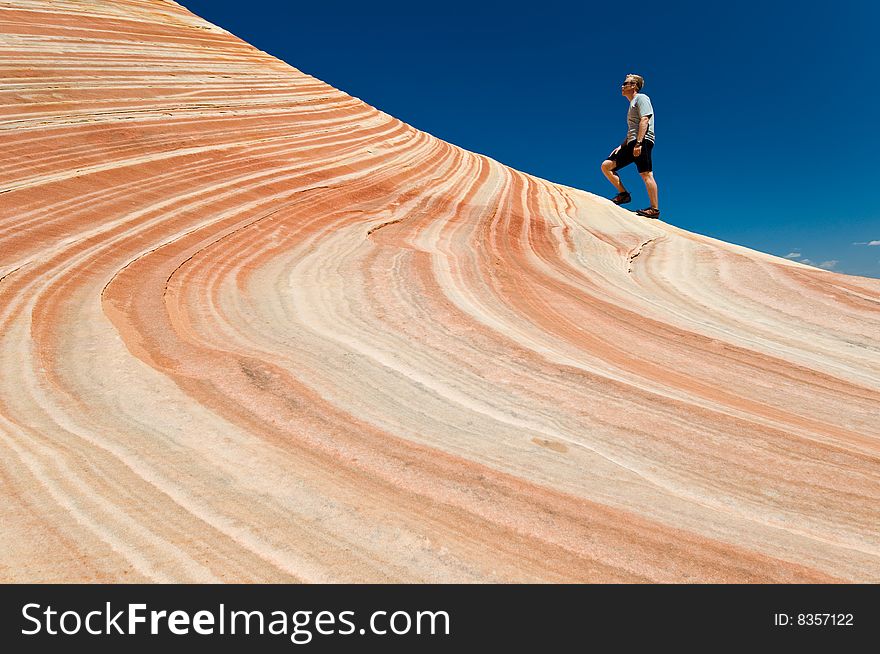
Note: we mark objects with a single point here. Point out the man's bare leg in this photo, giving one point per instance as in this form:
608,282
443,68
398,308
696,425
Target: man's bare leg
608,169
651,187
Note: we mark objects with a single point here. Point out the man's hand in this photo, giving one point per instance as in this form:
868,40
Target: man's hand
637,150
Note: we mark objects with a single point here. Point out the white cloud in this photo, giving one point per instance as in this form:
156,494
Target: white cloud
792,255
867,243
825,265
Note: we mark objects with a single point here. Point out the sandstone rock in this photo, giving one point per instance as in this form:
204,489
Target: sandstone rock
253,329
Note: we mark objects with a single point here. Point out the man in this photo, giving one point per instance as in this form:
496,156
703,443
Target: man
636,147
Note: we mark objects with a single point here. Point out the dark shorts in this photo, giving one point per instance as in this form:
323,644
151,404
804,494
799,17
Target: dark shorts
624,156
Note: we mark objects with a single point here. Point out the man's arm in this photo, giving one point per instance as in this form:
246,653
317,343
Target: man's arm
644,121
643,129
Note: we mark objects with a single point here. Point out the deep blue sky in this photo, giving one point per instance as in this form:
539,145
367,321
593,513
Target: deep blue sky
767,113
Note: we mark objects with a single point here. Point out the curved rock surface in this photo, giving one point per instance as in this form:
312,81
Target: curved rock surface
253,329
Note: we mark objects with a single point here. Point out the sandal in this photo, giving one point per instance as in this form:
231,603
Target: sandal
622,198
650,212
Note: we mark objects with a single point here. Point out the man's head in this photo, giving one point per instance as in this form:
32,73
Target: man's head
632,84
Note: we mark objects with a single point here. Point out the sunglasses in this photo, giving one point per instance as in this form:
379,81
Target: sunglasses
628,84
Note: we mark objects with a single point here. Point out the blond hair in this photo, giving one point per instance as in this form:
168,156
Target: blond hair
638,79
